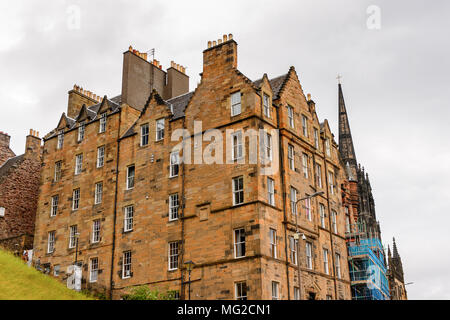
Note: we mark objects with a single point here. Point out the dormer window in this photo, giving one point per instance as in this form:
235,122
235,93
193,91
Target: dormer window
327,147
266,104
159,129
305,126
81,129
60,139
102,127
235,103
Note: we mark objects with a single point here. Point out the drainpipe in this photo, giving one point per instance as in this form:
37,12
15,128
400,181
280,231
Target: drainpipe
183,205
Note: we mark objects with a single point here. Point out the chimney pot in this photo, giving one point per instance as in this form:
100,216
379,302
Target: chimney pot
130,48
225,38
209,44
219,41
31,132
309,96
214,43
230,36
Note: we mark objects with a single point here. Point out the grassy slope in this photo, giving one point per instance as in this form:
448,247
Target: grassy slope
20,282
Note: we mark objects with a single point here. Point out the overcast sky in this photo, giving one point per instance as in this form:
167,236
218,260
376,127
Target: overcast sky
395,82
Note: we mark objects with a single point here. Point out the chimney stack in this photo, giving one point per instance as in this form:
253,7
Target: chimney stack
220,55
4,139
77,97
33,145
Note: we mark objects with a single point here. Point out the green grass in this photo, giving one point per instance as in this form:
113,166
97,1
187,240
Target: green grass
20,282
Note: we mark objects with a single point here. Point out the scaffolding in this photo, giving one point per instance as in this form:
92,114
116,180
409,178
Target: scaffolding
366,264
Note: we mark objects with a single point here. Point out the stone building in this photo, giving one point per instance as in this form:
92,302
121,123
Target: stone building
396,278
19,187
135,186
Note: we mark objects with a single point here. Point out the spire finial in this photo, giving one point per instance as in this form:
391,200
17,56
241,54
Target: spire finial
339,77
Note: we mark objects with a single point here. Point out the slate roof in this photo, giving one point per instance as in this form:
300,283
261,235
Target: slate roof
179,104
275,83
10,163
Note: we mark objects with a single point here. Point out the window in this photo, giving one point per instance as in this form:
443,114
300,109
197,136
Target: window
347,221
51,242
128,219
291,157
296,293
2,211
173,207
60,139
58,166
293,201
309,264
96,231
240,290
305,125
325,261
76,199
237,150
100,156
293,249
239,243
268,146
316,138
329,297
173,255
291,116
305,165
275,290
238,190
308,209
322,215
130,177
338,265
54,206
73,236
102,127
319,175
144,134
327,147
331,181
235,103
174,164
98,193
78,163
81,130
126,265
266,103
271,191
93,275
159,129
56,269
273,243
333,221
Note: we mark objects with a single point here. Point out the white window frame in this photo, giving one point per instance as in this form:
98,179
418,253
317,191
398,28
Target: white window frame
160,127
128,218
96,227
305,165
51,240
174,252
174,205
102,126
296,293
308,209
60,142
271,191
54,206
266,105
93,270
305,125
73,236
237,150
293,196
293,249
145,134
331,182
291,157
322,215
327,147
240,290
81,131
239,243
76,195
273,243
347,221
58,171
291,116
236,107
326,267
268,146
316,138
174,163
334,221
275,290
130,176
100,156
98,196
338,265
126,265
319,175
309,261
238,190
78,163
